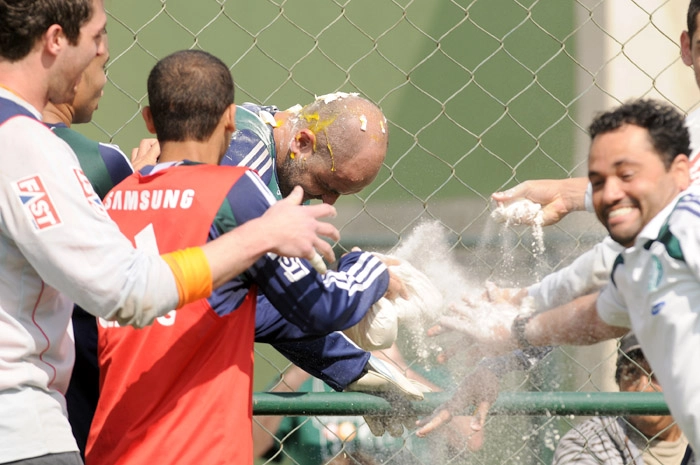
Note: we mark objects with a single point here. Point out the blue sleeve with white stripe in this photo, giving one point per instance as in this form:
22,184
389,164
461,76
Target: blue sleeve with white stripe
315,303
333,358
118,166
322,303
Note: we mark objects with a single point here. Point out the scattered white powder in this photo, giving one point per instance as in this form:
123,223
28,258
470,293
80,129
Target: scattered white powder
363,122
479,317
439,289
551,438
428,250
523,211
378,329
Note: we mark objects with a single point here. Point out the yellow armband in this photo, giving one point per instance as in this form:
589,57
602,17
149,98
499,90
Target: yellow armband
192,274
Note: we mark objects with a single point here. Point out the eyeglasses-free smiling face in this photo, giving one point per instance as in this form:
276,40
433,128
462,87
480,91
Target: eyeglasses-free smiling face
630,182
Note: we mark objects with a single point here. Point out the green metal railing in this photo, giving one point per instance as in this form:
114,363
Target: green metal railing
508,403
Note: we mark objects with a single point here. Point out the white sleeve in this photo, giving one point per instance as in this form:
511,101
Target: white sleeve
611,308
587,274
588,199
54,219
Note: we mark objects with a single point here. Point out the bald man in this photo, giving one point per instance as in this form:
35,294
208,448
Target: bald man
333,146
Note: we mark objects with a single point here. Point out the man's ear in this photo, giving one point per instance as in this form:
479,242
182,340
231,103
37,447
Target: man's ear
303,143
55,39
686,53
148,118
230,118
680,167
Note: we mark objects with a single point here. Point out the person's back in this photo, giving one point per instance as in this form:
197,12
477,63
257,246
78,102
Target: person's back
191,359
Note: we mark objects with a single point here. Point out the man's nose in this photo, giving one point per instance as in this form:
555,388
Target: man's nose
612,190
330,199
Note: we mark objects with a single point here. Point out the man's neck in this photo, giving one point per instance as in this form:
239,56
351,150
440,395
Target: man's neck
20,79
201,152
656,429
61,113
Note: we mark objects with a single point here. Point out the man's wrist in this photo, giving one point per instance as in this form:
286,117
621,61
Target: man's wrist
518,330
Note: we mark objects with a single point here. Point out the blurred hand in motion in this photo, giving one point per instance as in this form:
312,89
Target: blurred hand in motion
295,229
468,430
504,295
558,197
485,324
492,298
479,389
145,154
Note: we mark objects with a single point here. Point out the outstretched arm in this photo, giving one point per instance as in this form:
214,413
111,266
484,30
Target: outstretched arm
575,323
287,229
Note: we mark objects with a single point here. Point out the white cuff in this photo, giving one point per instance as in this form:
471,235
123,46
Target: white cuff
588,199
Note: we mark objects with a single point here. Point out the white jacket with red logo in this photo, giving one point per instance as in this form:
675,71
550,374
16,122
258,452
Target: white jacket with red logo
57,246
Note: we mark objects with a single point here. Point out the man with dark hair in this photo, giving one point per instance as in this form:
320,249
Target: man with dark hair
639,171
18,34
179,391
59,245
172,102
558,197
630,439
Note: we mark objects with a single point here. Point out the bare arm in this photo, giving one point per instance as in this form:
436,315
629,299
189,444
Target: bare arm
574,323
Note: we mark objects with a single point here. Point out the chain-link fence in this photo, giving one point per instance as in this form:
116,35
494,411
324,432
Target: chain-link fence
479,95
